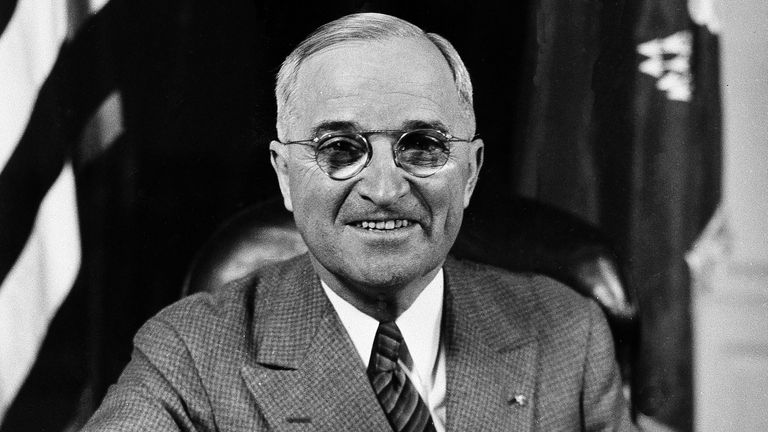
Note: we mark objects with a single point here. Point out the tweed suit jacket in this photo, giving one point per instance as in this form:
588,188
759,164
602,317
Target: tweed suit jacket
268,353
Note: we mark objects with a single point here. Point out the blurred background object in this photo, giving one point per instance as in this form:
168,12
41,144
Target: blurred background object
161,111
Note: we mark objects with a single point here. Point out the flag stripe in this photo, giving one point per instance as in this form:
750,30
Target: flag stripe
46,268
6,12
28,49
37,284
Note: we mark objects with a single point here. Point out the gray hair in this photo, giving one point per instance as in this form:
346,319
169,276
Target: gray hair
365,27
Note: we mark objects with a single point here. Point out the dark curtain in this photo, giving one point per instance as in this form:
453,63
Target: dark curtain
557,104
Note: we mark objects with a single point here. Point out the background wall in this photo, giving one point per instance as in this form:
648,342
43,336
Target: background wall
731,314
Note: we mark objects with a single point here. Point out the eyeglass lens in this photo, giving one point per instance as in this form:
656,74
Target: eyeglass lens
421,153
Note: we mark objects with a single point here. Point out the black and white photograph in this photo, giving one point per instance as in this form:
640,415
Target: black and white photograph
261,215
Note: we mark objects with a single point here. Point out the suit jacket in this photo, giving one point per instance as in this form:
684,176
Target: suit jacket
269,353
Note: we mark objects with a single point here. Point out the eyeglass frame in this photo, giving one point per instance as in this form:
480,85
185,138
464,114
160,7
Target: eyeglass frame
313,142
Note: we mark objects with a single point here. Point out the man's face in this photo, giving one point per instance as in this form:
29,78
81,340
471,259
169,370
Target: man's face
397,84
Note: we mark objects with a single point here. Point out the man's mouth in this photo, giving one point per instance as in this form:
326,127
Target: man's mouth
386,225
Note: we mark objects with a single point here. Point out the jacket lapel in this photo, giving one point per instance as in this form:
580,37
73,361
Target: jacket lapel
307,374
491,358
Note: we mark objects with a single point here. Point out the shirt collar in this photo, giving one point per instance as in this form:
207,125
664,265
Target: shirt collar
419,324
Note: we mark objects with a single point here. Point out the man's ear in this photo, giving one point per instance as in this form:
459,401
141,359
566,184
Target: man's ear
279,158
475,163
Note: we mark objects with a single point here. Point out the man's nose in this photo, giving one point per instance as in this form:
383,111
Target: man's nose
382,182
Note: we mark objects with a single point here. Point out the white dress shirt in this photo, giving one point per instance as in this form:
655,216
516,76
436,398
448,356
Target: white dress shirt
420,327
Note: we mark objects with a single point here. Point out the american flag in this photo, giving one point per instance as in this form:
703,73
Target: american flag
40,247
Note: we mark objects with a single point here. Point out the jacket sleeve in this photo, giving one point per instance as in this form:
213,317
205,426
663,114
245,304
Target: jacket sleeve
603,402
159,390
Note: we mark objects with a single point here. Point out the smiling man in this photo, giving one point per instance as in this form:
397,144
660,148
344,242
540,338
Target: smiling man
389,164
376,328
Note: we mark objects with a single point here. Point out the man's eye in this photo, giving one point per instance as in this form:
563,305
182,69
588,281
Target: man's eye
340,151
422,150
420,142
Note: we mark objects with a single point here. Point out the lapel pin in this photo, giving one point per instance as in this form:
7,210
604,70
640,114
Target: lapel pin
519,400
302,420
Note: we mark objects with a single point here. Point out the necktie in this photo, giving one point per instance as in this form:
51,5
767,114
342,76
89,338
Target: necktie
397,395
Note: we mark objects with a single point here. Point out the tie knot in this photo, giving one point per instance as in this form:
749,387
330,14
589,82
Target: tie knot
386,347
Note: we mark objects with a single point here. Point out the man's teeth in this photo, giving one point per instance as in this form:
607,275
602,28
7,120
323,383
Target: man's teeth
384,225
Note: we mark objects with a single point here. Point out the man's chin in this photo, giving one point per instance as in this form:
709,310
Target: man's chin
380,273
389,276
382,283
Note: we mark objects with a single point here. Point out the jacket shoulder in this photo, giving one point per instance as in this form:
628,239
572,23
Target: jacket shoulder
222,321
537,297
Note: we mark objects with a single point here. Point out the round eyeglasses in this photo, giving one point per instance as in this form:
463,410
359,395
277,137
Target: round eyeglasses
342,155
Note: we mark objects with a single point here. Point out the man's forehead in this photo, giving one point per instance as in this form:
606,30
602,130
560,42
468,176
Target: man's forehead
395,74
386,56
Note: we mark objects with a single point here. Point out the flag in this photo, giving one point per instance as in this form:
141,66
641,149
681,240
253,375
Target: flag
674,191
46,268
622,128
40,248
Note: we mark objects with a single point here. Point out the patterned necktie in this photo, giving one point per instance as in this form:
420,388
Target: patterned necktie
398,397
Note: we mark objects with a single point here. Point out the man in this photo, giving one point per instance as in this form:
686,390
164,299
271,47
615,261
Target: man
375,329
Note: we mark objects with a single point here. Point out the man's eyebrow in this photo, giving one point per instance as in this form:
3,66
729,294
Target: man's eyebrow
351,126
422,124
335,126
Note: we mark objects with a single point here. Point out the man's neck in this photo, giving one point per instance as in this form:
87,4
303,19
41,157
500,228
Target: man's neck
383,303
